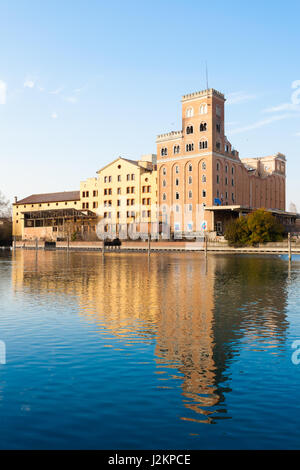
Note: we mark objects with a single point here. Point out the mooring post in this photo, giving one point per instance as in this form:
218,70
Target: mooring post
290,246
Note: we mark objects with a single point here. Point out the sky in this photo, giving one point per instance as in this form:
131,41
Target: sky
83,82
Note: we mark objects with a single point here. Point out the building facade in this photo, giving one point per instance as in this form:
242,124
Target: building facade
198,167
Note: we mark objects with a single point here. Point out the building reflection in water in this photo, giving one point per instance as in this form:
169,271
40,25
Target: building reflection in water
195,312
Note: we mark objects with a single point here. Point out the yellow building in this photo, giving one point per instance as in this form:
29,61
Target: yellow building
128,195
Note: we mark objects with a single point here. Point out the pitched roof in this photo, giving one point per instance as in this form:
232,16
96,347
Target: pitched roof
133,162
51,197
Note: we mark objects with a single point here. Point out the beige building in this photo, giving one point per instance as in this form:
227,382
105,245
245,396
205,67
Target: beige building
128,195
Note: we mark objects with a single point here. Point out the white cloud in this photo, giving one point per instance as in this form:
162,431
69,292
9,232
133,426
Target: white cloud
282,107
56,92
239,97
54,115
29,84
3,89
297,134
71,99
262,123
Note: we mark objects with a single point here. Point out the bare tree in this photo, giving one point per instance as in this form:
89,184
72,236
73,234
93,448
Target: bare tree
293,207
5,206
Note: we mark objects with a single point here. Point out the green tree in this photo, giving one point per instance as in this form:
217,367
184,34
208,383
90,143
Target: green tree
258,227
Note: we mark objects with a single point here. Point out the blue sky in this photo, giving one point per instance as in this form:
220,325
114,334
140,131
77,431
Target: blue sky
82,82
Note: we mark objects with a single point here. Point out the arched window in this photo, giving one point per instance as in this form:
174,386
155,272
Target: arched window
203,127
218,166
190,167
203,109
164,196
189,130
164,171
203,179
177,196
203,144
190,180
189,147
164,183
203,165
176,149
189,112
190,194
177,169
164,151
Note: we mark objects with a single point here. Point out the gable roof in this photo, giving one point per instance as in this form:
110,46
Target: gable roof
50,197
133,162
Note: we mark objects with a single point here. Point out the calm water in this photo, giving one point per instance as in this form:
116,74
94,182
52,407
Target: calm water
123,352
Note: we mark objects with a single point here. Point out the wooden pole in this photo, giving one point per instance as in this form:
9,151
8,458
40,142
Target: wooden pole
205,244
68,242
103,247
36,244
290,246
149,245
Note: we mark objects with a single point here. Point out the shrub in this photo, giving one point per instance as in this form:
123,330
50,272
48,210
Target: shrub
258,227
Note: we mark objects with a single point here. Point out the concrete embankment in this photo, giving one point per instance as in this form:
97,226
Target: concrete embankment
160,246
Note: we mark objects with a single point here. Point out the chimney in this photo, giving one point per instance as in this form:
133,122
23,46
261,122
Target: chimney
16,199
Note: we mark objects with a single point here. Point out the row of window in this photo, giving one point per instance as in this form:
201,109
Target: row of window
202,110
129,177
48,205
190,168
87,193
85,205
177,195
108,215
129,190
203,144
190,181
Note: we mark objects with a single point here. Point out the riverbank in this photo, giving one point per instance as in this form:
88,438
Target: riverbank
163,246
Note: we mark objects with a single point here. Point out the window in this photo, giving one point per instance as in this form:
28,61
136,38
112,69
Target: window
83,193
132,189
232,197
144,213
203,144
119,177
232,170
132,202
203,179
218,179
164,197
189,112
190,194
218,145
189,147
95,193
177,169
226,148
118,202
86,205
128,202
226,195
203,109
132,177
203,165
118,215
226,181
87,194
110,191
176,182
190,207
83,205
190,180
232,182
226,168
190,167
218,127
203,127
95,205
109,179
203,193
177,208
164,171
105,179
164,183
149,189
218,166
119,191
176,149
119,166
218,110
176,195
164,152
149,201
189,130
128,190
128,177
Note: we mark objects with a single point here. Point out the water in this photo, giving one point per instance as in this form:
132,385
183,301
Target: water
130,353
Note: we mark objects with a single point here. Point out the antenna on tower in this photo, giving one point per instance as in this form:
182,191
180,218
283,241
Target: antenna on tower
206,75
